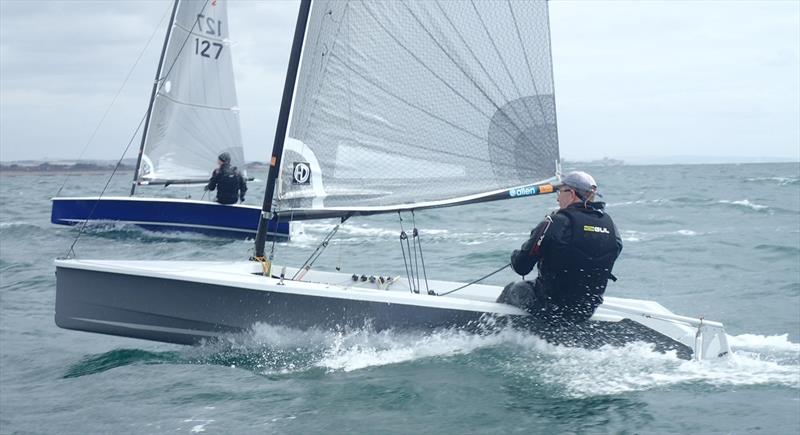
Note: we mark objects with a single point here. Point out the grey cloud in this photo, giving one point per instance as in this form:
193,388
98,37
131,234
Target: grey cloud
649,78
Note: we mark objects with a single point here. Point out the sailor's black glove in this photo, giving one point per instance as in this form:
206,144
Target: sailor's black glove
241,198
205,187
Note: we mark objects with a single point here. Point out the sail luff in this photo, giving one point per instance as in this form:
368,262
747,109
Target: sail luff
283,121
153,98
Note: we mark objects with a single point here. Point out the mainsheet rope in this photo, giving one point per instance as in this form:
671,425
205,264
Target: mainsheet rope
473,282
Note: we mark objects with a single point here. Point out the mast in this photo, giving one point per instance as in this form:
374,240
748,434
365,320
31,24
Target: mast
153,97
283,121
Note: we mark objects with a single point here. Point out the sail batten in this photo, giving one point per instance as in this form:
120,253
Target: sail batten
195,113
199,106
419,102
192,32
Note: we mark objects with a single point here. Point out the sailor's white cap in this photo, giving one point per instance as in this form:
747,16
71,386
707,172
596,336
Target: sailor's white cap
580,181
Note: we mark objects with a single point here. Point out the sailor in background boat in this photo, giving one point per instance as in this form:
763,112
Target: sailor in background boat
575,248
230,184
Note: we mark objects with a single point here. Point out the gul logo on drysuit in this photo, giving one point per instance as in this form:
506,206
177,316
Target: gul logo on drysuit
593,229
301,173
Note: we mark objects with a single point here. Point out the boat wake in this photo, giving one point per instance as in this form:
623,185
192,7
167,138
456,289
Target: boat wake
129,232
636,367
573,372
517,355
577,372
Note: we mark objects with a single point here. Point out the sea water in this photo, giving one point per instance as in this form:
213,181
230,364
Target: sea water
720,241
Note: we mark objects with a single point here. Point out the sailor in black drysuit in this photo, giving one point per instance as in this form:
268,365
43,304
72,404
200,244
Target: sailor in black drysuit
230,184
575,249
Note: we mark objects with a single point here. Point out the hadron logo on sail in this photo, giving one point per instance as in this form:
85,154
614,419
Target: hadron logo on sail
301,173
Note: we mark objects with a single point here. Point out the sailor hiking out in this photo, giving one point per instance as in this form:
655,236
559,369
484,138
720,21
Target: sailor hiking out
230,184
575,249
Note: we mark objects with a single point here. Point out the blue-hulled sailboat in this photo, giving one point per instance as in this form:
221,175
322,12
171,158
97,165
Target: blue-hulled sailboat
192,118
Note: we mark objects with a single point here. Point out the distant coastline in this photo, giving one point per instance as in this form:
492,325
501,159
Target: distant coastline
12,168
39,167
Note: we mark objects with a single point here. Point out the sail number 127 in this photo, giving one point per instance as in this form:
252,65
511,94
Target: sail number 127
212,27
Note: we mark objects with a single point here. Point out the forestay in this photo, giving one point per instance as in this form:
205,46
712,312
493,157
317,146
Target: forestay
194,114
418,102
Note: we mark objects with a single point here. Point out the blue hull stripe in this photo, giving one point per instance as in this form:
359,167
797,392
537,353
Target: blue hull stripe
234,221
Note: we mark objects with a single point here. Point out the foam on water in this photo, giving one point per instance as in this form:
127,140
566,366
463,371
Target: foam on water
774,343
365,348
576,372
357,230
636,367
640,236
365,233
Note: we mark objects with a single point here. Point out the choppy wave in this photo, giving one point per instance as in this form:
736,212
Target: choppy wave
698,201
780,250
746,204
639,202
93,364
781,181
18,226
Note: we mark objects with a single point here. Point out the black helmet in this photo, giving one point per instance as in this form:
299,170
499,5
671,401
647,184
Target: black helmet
224,158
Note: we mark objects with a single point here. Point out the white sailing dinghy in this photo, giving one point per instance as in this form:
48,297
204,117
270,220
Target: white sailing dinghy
192,118
387,107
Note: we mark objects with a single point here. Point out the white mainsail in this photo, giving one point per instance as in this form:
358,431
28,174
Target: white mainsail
194,113
405,103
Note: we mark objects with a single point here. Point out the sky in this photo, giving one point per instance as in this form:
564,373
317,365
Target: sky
642,81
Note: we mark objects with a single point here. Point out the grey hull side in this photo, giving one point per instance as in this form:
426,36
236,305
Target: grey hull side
184,312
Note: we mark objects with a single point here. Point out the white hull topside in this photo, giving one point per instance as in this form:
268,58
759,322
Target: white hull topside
704,338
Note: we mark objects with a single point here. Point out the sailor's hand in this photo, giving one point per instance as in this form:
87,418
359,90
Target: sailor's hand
206,188
241,199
